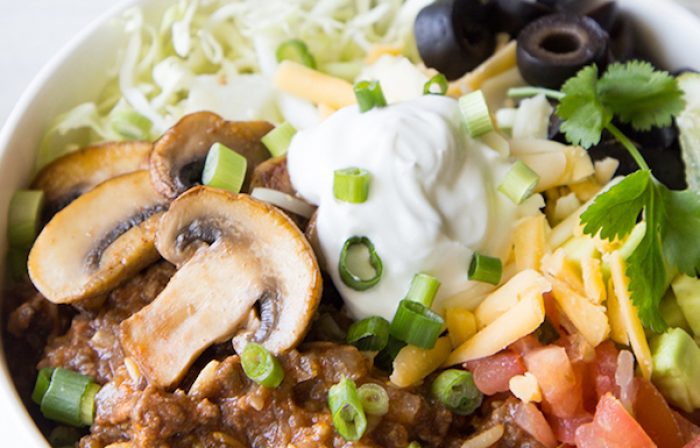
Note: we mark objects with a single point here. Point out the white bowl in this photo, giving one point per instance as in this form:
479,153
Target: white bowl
78,72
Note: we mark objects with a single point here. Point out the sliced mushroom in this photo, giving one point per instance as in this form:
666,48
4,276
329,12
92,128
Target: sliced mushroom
70,176
234,254
273,174
99,240
178,156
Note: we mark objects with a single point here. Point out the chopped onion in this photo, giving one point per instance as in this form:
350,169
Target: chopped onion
284,201
624,377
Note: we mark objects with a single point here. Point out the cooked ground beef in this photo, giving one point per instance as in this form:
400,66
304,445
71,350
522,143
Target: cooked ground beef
216,404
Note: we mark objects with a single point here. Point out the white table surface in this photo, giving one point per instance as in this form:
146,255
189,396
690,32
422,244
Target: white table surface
31,31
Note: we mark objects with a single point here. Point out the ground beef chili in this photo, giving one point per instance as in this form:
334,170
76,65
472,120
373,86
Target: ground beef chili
216,405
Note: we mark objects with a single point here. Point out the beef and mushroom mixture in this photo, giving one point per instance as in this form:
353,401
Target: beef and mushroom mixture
465,230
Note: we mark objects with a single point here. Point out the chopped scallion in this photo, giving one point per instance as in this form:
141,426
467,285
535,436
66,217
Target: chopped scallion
69,398
277,140
475,114
348,415
457,391
415,324
17,264
519,183
369,95
43,380
261,366
370,334
24,218
224,168
374,398
360,267
437,85
483,268
385,358
414,444
351,185
131,125
423,289
297,51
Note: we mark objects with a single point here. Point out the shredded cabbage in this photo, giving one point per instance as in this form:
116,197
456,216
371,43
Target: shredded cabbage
219,55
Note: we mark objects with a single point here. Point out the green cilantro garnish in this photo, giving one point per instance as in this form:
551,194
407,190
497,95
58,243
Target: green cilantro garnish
637,94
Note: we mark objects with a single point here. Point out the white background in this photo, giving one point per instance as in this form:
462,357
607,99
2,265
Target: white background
31,31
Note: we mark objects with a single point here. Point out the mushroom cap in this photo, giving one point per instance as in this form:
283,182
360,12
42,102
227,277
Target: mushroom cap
70,176
234,254
273,174
178,156
99,240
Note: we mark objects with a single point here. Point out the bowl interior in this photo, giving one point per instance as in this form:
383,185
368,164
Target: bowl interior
78,73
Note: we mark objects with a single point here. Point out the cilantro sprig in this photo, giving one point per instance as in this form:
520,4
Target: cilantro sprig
637,94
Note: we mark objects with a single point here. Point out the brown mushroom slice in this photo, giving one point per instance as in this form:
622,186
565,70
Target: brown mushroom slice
68,177
99,240
273,174
234,254
178,156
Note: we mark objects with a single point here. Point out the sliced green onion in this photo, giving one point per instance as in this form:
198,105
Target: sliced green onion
277,140
485,269
519,182
423,289
261,366
360,267
43,379
369,95
224,168
348,415
131,125
351,185
437,85
457,391
374,398
385,358
370,334
17,264
87,404
414,444
64,436
527,92
415,324
63,401
297,51
475,114
24,218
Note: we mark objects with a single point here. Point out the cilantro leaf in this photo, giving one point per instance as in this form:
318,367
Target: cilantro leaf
583,114
682,230
640,95
615,212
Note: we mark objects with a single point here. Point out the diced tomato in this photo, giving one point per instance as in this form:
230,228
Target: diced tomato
565,428
525,345
603,369
556,377
655,416
531,419
689,429
695,443
612,427
492,374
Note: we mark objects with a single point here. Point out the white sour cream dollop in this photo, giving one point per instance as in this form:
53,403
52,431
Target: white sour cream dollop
432,200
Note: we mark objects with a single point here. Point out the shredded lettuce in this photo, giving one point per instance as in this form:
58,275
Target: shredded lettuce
219,55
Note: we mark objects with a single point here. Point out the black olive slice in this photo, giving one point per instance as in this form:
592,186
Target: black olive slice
453,36
514,15
554,48
606,15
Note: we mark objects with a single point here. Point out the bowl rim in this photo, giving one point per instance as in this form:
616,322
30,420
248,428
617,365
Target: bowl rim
15,408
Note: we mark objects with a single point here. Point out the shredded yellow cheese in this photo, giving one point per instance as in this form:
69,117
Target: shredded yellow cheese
312,85
530,242
412,364
461,325
501,61
589,319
